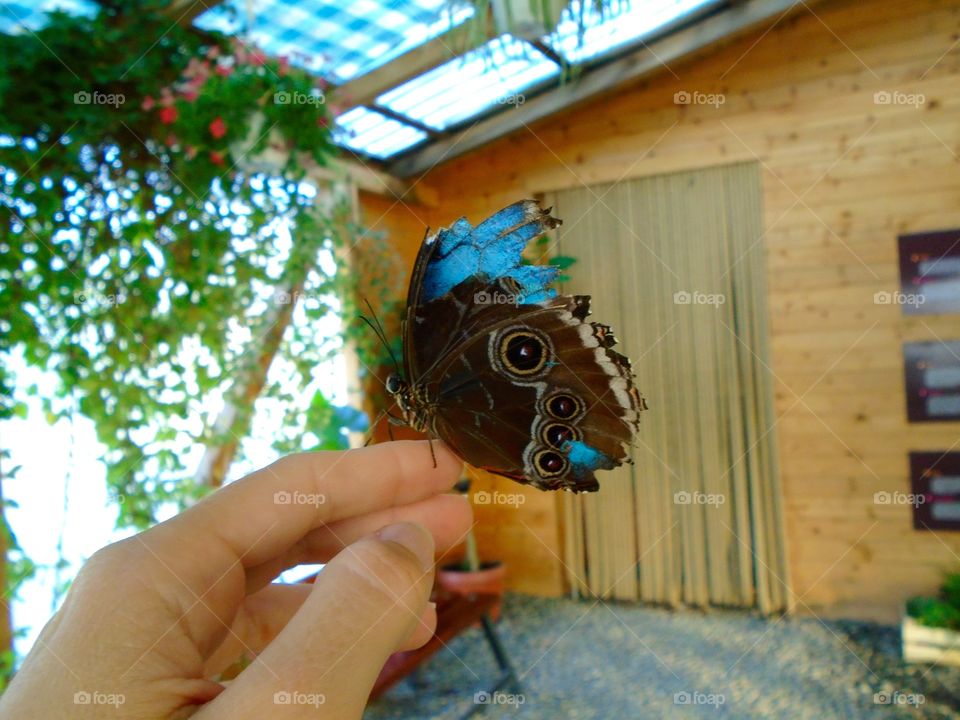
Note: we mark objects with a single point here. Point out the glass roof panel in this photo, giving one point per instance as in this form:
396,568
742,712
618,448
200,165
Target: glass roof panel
340,40
497,73
23,16
620,24
374,134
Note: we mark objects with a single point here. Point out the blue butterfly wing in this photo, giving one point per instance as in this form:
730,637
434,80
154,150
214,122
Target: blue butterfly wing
490,251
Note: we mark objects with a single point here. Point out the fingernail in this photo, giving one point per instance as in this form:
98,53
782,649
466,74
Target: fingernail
414,537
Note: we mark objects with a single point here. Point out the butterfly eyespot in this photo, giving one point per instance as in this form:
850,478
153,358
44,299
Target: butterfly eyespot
564,406
549,463
523,352
556,434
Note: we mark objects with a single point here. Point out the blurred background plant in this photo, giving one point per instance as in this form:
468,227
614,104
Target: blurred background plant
171,291
942,611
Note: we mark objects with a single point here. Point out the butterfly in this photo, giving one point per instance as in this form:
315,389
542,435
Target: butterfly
507,373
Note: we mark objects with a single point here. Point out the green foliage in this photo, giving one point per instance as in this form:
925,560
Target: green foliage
942,611
19,568
136,261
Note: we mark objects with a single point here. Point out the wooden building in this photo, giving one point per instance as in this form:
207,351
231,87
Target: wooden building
847,113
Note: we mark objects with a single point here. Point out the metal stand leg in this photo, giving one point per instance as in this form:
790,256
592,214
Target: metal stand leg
508,677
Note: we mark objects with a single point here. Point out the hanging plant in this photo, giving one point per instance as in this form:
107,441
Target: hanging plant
234,103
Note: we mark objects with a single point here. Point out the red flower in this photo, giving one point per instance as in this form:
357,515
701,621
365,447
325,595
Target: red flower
223,70
171,140
168,115
190,94
216,157
218,128
257,58
148,103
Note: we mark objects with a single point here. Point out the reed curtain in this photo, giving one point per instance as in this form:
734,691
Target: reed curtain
675,263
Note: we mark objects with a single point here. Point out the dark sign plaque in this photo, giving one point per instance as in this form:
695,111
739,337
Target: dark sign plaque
933,381
929,273
935,481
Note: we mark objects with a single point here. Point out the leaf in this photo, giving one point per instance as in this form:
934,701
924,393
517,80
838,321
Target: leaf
562,261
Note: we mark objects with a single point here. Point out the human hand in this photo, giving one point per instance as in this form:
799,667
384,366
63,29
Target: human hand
151,620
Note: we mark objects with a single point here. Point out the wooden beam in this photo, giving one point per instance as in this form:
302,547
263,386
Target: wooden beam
186,11
423,58
648,60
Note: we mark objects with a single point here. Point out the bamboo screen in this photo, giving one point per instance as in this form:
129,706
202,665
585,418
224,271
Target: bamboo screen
675,264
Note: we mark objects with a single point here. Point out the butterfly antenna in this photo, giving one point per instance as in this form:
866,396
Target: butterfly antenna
380,333
383,333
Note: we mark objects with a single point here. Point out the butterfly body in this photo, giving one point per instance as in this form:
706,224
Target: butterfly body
512,377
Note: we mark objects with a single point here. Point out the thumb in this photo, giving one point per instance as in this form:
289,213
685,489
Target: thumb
368,602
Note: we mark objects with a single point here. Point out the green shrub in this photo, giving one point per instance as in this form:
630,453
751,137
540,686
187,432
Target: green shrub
942,611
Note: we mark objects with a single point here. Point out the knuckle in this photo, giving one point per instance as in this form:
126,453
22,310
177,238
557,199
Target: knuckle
385,568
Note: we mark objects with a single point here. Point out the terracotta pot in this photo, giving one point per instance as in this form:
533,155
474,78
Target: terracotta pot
489,579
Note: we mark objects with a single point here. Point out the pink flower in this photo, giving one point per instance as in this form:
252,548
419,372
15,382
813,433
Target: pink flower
223,70
148,103
190,152
213,52
284,65
218,128
171,140
197,69
168,115
216,157
166,97
190,94
257,58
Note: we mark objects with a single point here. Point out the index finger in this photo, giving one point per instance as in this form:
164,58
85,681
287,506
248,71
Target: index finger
264,514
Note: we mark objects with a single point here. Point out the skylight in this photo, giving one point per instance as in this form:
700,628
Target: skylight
620,24
372,133
18,17
497,73
340,40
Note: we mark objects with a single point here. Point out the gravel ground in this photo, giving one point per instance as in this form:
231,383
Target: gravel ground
582,660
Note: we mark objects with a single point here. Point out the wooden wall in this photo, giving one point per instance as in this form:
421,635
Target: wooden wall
842,176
